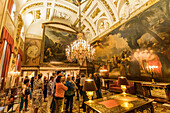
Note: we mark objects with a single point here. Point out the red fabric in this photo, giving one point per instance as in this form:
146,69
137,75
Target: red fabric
9,49
19,64
6,64
109,103
20,60
116,88
156,62
1,49
10,4
10,41
20,52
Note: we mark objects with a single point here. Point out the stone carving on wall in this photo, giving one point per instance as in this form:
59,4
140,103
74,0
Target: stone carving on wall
102,25
60,14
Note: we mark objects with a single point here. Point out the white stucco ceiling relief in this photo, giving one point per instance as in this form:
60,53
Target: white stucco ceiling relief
97,15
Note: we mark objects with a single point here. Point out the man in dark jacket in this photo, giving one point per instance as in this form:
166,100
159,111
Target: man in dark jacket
98,84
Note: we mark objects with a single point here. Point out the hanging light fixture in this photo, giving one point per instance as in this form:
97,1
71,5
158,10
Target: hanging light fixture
80,49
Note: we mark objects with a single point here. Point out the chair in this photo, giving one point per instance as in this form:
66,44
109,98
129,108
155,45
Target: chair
117,88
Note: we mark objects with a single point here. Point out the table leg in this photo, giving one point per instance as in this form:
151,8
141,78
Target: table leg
87,109
152,108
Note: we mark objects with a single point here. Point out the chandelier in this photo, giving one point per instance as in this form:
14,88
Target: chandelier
80,50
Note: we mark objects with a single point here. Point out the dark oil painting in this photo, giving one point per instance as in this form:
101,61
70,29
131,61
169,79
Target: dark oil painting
140,48
56,42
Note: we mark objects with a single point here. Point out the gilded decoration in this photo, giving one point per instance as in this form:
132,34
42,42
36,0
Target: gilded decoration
31,6
87,6
116,2
48,13
138,11
58,5
90,26
49,4
76,22
109,9
95,13
82,27
38,14
20,25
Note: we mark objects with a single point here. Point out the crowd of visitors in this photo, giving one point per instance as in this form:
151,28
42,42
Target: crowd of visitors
57,90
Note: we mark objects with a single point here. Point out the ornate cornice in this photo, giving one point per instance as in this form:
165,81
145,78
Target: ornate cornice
87,6
109,9
90,26
58,5
31,6
95,13
132,15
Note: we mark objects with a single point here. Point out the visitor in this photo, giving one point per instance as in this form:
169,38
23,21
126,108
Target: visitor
78,85
32,81
98,82
50,93
37,93
54,90
85,98
90,76
56,75
24,95
69,94
45,88
59,95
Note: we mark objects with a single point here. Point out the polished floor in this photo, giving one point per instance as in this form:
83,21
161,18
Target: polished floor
159,108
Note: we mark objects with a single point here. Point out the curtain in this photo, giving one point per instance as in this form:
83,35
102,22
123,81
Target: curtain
1,49
20,60
18,67
9,49
10,4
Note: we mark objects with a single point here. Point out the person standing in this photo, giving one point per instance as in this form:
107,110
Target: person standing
54,89
24,95
98,84
69,94
37,93
50,93
59,95
32,81
85,98
78,85
45,88
90,76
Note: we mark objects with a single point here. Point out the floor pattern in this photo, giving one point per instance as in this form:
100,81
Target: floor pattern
159,108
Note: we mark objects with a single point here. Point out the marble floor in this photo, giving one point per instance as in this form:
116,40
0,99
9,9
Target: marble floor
159,108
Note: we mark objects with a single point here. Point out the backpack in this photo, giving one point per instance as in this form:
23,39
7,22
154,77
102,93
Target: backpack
70,90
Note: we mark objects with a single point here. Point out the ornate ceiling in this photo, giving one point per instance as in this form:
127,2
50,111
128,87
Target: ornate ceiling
97,15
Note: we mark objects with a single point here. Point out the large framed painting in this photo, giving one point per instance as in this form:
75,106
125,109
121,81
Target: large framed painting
55,42
32,52
140,47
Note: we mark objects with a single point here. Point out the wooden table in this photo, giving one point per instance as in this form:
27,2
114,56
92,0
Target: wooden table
120,104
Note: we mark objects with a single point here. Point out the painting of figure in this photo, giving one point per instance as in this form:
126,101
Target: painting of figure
140,45
55,43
